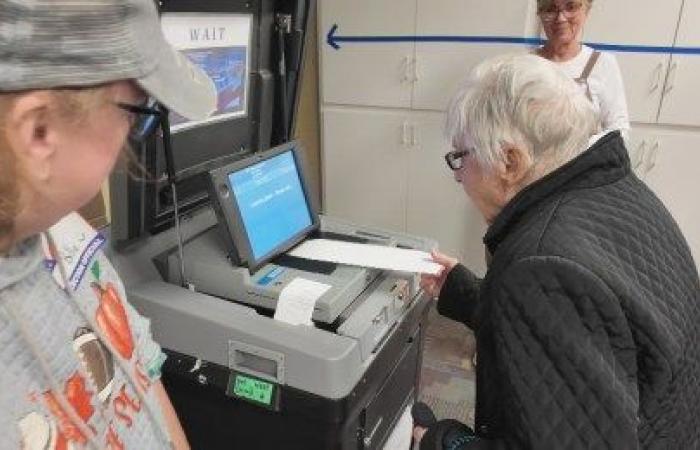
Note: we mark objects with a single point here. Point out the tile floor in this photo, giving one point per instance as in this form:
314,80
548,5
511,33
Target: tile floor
447,375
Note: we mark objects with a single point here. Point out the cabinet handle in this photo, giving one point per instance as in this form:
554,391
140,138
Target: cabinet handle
406,69
651,161
404,134
414,136
641,149
671,78
656,77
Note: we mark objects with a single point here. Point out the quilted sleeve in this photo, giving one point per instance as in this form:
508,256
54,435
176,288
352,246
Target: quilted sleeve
460,295
567,358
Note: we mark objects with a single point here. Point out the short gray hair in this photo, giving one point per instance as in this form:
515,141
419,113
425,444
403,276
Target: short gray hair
525,101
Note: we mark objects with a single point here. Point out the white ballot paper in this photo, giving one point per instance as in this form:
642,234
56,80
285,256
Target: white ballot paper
297,300
367,255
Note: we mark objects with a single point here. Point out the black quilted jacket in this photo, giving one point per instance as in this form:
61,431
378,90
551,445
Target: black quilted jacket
588,320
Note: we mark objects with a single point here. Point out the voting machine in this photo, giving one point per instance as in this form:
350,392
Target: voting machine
240,376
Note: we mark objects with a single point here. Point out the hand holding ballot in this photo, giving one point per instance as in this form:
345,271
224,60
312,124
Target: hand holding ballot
432,283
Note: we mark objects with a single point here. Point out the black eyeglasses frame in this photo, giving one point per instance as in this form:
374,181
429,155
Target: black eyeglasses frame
149,117
454,159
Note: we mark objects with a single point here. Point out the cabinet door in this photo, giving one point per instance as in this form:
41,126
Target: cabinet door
682,96
364,166
641,145
437,205
652,23
441,66
367,73
642,22
673,177
643,75
688,30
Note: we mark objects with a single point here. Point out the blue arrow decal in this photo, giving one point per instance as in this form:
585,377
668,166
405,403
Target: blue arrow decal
333,40
330,37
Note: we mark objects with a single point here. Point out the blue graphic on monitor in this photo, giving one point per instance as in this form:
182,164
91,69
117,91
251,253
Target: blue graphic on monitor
227,68
271,201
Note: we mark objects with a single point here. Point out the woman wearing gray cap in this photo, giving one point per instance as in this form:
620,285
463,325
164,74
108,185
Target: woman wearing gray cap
596,72
77,77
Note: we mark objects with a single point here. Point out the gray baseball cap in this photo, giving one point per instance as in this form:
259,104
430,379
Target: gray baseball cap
66,43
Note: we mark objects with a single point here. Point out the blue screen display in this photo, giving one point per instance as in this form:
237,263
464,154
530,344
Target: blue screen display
271,201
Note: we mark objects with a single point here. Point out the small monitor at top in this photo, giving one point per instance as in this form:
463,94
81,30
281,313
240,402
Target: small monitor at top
263,205
220,45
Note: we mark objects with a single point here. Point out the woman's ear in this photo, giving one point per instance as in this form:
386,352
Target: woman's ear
515,167
30,132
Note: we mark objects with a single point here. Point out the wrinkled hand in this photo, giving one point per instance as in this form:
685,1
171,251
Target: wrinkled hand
432,284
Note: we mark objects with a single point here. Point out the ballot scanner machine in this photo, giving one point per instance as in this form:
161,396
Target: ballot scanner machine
211,281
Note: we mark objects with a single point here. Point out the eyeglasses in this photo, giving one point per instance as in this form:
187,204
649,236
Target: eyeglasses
147,118
550,13
455,158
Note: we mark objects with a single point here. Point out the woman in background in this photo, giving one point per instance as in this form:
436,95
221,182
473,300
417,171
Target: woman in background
596,72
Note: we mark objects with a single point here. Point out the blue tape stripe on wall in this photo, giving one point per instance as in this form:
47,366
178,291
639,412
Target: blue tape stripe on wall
334,41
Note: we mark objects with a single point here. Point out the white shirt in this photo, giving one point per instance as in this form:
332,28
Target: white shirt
607,90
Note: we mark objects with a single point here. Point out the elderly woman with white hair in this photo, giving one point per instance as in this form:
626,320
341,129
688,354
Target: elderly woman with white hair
596,72
587,321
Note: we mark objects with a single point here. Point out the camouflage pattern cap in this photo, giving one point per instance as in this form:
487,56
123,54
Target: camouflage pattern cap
69,43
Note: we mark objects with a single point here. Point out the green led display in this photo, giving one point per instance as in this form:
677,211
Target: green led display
253,389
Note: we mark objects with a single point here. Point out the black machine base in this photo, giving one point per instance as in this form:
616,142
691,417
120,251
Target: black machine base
361,420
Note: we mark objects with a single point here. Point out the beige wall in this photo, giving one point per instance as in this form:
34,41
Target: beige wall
307,124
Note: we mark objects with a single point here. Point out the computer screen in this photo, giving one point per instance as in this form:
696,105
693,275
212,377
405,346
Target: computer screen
271,201
220,45
263,203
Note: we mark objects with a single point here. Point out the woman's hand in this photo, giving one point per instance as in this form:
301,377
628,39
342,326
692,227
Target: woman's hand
432,284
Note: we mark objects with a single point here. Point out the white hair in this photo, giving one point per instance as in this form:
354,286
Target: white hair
523,101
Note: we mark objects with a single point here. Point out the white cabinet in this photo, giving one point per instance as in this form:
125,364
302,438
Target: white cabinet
365,165
688,30
382,159
419,75
367,73
643,75
474,17
672,173
387,169
382,106
643,146
651,23
642,22
441,66
682,96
